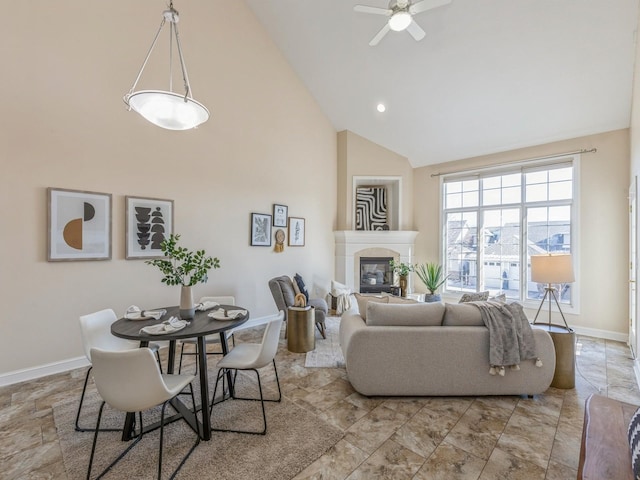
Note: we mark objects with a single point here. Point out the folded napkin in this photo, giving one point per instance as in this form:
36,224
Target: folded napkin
222,314
168,326
208,305
135,313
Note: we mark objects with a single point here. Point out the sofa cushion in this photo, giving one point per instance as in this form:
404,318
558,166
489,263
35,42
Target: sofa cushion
462,315
408,315
363,301
475,297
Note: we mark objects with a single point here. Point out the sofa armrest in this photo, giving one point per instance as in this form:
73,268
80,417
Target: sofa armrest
350,323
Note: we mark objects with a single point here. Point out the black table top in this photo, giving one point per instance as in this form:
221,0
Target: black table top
201,324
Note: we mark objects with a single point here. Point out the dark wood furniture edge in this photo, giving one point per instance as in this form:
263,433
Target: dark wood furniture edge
604,450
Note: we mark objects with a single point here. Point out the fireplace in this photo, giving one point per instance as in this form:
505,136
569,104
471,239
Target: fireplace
375,275
382,246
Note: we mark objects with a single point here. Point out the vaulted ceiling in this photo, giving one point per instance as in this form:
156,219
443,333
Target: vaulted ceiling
489,76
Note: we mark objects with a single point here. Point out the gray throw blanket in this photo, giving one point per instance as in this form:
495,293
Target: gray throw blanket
510,336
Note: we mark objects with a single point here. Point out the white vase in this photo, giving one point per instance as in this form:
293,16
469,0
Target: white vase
187,307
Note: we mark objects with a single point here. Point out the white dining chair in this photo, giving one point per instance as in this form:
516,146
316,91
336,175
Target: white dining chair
209,339
131,381
95,329
252,357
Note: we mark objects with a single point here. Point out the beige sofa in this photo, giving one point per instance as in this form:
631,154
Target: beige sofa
433,349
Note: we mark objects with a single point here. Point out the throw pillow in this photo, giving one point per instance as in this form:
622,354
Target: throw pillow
301,286
409,315
501,298
634,443
363,300
475,297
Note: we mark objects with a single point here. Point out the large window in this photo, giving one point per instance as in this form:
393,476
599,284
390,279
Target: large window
494,221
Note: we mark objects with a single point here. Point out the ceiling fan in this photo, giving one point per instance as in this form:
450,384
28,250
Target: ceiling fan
400,13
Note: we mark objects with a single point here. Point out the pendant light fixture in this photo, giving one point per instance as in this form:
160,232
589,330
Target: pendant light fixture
167,109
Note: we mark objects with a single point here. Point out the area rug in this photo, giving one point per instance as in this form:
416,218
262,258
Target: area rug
327,353
295,438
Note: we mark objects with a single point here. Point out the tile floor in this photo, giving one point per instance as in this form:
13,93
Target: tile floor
384,438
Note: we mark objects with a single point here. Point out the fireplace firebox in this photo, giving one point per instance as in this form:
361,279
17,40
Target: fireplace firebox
375,275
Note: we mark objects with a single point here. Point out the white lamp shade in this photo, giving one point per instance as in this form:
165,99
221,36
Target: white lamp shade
552,269
400,21
167,109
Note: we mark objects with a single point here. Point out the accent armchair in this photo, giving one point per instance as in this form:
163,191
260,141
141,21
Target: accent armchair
284,295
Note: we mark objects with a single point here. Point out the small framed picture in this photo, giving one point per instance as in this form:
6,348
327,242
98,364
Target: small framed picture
78,224
280,213
296,232
149,221
260,230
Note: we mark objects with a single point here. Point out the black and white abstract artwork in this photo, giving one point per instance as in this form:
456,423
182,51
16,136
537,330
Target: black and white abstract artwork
260,230
371,208
149,223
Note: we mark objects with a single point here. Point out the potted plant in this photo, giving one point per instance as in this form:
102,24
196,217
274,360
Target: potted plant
432,275
402,270
185,268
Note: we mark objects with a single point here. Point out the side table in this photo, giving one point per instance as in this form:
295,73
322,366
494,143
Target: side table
564,342
301,329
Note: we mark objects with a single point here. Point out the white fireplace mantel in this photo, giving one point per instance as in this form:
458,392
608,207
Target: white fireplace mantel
351,244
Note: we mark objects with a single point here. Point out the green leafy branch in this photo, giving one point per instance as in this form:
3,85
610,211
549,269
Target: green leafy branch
400,268
183,267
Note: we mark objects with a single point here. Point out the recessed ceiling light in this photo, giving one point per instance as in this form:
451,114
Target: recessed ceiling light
381,108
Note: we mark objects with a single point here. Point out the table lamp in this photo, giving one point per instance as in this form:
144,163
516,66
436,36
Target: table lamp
551,269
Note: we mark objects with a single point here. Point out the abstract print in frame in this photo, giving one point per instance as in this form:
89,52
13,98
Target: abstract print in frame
78,224
149,221
260,230
371,208
296,232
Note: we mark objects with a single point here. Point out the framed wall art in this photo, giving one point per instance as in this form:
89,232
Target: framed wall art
296,232
280,213
260,230
78,225
149,221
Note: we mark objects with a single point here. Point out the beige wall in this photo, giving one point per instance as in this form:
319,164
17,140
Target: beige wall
635,164
66,67
603,237
358,156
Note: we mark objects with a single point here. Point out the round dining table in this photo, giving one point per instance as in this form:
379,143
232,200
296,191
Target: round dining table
198,327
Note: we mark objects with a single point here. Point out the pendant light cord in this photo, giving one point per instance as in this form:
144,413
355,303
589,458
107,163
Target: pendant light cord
173,33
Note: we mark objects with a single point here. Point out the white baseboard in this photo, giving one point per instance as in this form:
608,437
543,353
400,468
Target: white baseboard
42,371
65,365
606,334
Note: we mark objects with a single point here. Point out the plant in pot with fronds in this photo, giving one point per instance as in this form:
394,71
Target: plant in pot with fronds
184,267
433,277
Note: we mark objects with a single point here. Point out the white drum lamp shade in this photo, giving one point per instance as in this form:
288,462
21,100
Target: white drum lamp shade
552,268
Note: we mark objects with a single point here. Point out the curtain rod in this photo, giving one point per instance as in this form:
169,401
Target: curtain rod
517,162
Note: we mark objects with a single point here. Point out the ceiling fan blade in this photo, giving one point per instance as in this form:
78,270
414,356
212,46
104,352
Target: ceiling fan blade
416,31
374,41
427,5
376,10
